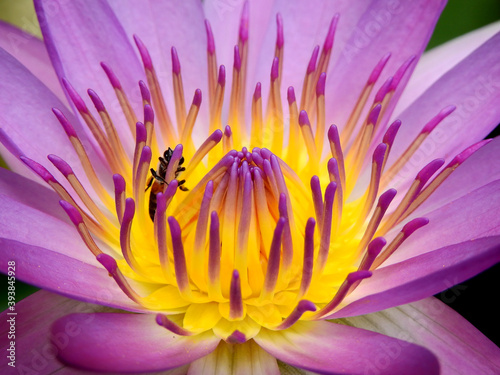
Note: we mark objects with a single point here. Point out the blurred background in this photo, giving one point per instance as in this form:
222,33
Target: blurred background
475,299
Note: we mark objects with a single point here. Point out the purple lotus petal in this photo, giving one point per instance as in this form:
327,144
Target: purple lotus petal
73,34
459,346
469,217
32,195
247,358
330,348
34,125
473,87
30,51
421,276
63,275
27,225
162,25
436,62
159,349
371,39
34,351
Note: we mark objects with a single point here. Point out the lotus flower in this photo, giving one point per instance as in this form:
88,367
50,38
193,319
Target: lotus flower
297,213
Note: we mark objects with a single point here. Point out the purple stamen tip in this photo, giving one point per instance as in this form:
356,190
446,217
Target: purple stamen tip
72,212
320,87
266,153
143,51
357,276
175,229
140,132
176,65
60,164
290,95
333,166
333,134
460,158
413,225
210,38
222,76
216,136
243,33
237,59
108,262
227,131
113,79
331,33
436,120
305,305
330,191
197,98
68,128
236,338
129,212
159,319
145,93
149,114
280,38
303,118
119,183
427,171
98,104
311,223
390,134
373,116
38,169
378,154
312,62
75,98
378,69
275,69
384,89
258,91
386,198
401,72
375,247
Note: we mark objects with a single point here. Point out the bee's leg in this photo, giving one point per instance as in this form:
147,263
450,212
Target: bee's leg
150,180
158,177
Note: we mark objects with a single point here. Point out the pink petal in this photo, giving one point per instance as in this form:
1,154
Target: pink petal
128,343
64,275
436,62
30,51
473,87
459,346
35,353
421,276
466,218
247,358
79,35
162,25
330,348
34,129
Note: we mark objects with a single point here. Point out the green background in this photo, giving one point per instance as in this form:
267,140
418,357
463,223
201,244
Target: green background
459,17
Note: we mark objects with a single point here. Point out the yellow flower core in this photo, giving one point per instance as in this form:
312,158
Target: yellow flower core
262,233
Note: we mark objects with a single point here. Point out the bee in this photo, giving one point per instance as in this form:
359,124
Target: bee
157,181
